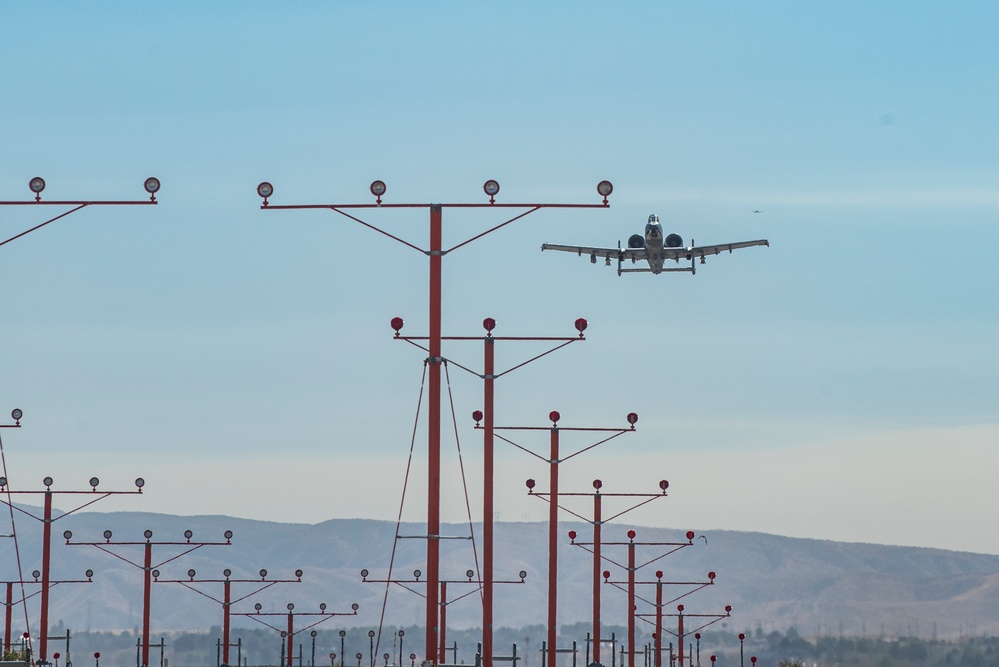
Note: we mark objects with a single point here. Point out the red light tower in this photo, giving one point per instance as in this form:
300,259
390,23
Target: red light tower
553,460
47,520
435,253
598,522
289,633
262,584
37,185
9,603
485,420
147,567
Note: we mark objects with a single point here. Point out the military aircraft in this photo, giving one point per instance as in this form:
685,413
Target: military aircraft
655,249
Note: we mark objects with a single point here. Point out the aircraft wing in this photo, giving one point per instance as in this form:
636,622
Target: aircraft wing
705,250
603,253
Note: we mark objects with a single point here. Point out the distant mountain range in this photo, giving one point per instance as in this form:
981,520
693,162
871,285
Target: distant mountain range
771,582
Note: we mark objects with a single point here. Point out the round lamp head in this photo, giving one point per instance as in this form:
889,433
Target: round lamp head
631,534
417,573
580,324
68,534
597,484
94,482
491,187
47,481
107,534
711,576
299,573
522,574
397,324
89,573
16,414
97,655
572,535
364,574
606,574
36,574
263,573
265,189
663,484
378,188
191,573
690,534
530,483
156,573
227,534
313,633
322,606
152,185
227,573
291,606
489,324
632,418
342,633
371,633
401,632
605,188
139,483
728,609
742,636
258,606
469,573
37,184
147,533
554,416
477,416
188,534
659,574
3,481
355,606
679,607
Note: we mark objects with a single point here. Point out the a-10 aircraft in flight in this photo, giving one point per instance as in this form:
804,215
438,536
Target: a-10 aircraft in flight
654,248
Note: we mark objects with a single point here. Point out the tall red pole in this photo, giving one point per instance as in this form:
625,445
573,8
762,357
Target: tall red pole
442,649
7,616
487,501
226,602
659,619
291,636
553,542
147,586
631,598
597,524
43,630
434,437
679,632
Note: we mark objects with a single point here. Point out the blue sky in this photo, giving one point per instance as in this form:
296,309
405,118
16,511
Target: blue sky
840,384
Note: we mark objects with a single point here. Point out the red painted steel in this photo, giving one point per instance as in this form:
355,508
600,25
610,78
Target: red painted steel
43,629
434,438
291,638
553,462
488,406
659,623
679,632
631,598
7,616
147,581
226,602
597,525
442,647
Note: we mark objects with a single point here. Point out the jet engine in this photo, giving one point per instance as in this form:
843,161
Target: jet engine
674,241
636,241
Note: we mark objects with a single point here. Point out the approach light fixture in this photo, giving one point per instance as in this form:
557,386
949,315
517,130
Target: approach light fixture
89,573
597,484
191,573
378,189
226,573
188,535
554,416
663,484
156,574
489,324
147,533
263,573
417,574
94,482
36,574
469,574
291,606
364,574
67,534
491,188
355,606
152,186
605,188
258,607
632,418
16,414
107,535
139,483
265,190
227,535
523,574
47,482
37,184
299,573
3,481
322,606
